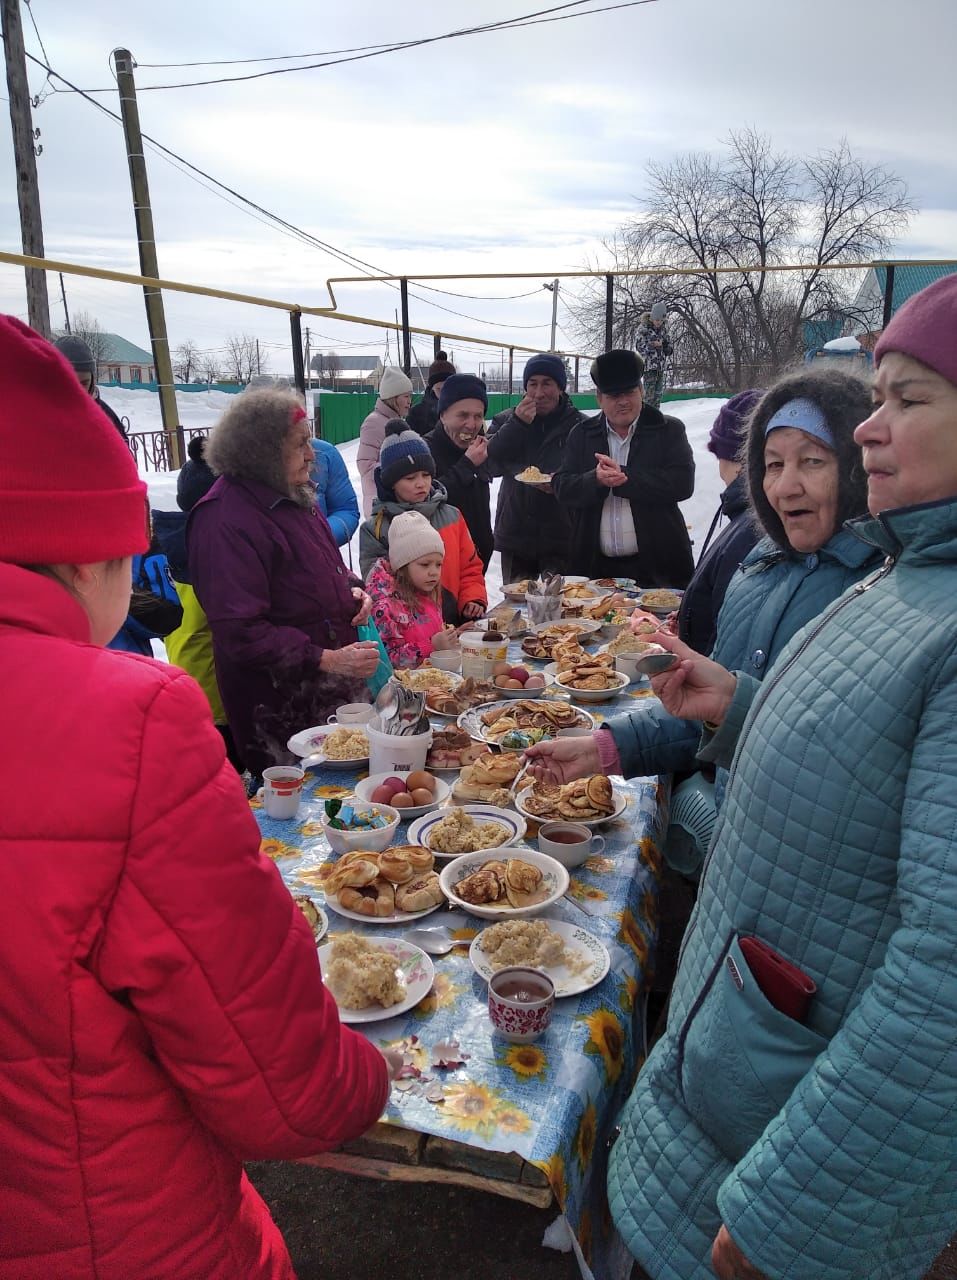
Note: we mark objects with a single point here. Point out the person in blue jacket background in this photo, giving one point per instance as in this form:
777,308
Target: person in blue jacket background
335,495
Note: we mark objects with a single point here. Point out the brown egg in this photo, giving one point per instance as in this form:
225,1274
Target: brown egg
382,795
500,669
417,780
501,682
402,800
513,684
535,682
421,795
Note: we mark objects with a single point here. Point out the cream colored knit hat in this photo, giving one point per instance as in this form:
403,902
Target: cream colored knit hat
411,537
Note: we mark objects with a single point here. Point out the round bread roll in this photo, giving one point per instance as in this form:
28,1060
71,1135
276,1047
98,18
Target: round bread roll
354,875
395,866
375,899
419,894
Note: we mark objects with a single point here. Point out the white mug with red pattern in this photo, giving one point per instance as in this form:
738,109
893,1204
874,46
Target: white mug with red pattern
281,790
520,1003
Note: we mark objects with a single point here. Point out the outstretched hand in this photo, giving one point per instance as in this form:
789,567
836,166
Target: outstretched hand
695,689
563,759
729,1262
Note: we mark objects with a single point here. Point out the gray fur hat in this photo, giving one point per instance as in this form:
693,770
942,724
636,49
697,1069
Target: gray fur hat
845,401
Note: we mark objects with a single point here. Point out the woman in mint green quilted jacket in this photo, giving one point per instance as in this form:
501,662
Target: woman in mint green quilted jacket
756,1144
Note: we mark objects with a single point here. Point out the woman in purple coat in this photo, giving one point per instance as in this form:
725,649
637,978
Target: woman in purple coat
282,607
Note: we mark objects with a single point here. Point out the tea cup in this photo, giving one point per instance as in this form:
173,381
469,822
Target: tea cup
353,713
281,790
569,843
520,1003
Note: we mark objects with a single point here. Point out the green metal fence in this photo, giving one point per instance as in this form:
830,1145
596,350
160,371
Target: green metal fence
339,416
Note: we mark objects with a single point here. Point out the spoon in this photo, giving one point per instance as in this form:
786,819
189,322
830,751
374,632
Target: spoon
655,664
435,941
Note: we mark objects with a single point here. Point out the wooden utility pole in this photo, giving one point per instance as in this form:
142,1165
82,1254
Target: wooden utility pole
149,266
66,309
25,160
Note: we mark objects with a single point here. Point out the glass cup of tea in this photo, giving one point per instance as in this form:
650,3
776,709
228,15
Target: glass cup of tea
569,843
520,1003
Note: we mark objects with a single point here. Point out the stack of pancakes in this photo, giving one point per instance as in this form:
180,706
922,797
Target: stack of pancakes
587,798
488,778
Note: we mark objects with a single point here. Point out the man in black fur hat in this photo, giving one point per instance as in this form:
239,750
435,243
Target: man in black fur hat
622,476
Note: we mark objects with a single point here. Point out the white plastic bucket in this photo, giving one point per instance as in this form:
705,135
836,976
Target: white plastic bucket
392,754
480,655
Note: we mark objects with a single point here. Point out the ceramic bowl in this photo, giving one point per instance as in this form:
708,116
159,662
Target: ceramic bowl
374,839
556,882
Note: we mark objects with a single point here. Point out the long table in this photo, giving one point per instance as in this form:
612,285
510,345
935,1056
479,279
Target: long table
531,1122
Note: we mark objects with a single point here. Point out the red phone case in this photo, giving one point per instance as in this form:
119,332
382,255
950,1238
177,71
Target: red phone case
783,984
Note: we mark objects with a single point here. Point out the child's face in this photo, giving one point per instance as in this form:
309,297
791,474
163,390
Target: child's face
413,488
425,573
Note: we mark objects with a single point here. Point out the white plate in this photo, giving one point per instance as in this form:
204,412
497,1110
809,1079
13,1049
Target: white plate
365,788
440,679
627,586
621,804
397,917
659,612
510,593
556,882
414,968
323,918
308,742
566,983
583,626
471,721
419,830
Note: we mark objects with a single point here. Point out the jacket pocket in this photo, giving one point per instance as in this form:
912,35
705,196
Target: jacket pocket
739,1058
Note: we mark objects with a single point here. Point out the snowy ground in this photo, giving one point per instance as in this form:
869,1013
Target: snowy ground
204,408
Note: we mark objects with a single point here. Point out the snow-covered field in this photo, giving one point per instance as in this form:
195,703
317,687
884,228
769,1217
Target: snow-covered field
204,408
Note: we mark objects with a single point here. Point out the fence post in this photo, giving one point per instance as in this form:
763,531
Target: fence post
406,336
609,308
511,362
576,375
888,296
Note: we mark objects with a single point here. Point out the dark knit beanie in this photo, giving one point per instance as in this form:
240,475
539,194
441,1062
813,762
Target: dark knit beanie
462,386
547,366
78,353
727,430
617,371
845,401
439,370
403,453
925,329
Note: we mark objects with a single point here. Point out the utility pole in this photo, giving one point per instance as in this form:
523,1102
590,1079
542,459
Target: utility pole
149,266
25,160
66,309
308,371
553,289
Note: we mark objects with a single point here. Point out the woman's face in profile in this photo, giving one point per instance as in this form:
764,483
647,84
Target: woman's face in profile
297,454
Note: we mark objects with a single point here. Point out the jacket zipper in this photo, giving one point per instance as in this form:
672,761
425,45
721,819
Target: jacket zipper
764,693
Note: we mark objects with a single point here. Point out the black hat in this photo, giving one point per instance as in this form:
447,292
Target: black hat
78,353
440,369
617,371
403,453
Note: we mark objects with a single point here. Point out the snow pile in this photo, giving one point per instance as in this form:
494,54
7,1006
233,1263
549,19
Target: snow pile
842,344
204,408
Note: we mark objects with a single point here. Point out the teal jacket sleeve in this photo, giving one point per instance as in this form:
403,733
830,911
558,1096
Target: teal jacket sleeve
649,741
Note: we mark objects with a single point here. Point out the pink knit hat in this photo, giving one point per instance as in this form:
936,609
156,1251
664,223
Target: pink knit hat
925,328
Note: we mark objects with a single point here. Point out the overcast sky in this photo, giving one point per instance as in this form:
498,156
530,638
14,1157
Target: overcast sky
510,151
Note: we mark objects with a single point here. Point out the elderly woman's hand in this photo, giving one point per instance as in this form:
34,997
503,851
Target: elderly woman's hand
695,689
357,660
729,1262
365,606
563,759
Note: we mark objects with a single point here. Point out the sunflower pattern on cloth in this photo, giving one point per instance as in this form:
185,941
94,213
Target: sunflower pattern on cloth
554,1102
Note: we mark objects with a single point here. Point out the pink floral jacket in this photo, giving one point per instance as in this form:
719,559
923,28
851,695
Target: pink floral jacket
406,631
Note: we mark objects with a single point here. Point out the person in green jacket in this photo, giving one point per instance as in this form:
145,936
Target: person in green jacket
799,1117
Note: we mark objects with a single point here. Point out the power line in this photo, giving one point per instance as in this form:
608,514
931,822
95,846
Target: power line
196,174
535,18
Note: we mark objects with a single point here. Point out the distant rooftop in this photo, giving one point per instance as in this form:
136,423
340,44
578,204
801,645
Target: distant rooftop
117,350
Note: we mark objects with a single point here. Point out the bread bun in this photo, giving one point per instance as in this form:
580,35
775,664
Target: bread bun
419,894
375,899
395,866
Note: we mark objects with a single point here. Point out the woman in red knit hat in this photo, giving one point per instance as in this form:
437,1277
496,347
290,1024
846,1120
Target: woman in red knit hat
162,1013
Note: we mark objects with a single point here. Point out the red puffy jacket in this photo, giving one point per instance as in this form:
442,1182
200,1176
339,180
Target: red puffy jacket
162,1014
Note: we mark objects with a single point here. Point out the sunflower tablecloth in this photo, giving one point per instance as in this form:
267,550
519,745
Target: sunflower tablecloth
554,1102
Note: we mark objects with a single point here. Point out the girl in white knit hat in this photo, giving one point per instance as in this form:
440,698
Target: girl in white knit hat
406,592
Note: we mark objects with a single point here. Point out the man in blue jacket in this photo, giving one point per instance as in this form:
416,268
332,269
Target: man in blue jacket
335,495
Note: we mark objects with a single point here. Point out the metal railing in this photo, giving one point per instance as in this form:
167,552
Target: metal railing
151,449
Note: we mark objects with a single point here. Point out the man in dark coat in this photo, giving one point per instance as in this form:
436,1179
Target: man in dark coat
424,416
532,530
622,477
84,366
460,449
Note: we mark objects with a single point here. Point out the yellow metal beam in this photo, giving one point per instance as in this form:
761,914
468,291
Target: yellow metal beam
228,295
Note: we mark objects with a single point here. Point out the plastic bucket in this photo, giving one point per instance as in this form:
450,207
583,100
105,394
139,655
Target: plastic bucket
392,754
480,655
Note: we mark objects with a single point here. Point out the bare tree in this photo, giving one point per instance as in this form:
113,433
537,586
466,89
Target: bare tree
87,327
328,366
186,360
208,367
243,358
721,217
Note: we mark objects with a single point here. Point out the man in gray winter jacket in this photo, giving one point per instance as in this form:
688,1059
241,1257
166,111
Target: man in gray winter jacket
654,346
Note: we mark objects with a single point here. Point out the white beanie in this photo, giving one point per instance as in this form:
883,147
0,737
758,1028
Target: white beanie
393,383
410,538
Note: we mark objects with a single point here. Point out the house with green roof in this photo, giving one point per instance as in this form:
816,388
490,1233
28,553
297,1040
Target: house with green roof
122,361
909,278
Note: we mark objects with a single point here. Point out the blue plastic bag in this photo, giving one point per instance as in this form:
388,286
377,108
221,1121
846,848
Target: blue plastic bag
383,672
